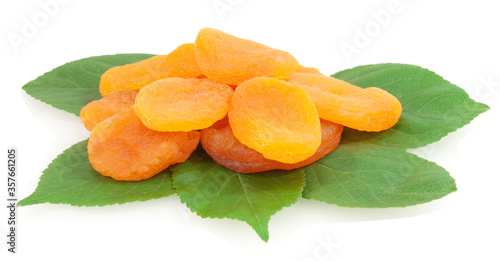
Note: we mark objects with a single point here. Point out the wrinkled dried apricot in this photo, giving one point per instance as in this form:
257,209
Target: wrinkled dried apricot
275,118
257,108
176,104
181,62
219,142
99,110
369,109
304,69
121,147
228,59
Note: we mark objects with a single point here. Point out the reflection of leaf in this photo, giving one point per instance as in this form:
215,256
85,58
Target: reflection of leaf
372,176
432,106
70,179
71,86
213,191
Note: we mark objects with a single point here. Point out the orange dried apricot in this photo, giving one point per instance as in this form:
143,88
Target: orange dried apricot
369,109
219,142
99,110
258,109
303,69
176,104
121,147
181,62
275,118
228,59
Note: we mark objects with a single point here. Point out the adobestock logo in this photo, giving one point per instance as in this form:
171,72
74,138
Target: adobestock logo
31,26
363,35
324,249
222,7
486,88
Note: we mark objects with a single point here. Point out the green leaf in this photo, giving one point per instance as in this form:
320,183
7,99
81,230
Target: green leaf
70,179
71,86
432,106
213,191
373,169
372,176
366,170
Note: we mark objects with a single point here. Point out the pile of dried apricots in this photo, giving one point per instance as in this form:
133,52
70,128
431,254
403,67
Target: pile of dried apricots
254,108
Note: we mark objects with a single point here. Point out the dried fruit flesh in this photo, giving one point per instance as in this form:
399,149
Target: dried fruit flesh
257,108
228,59
275,118
181,62
99,110
121,147
176,104
369,109
303,69
220,143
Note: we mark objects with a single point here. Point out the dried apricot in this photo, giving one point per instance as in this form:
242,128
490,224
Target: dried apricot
369,109
181,62
303,69
228,59
275,118
99,110
176,104
121,147
219,142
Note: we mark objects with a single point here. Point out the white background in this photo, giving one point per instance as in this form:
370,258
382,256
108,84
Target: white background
457,39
